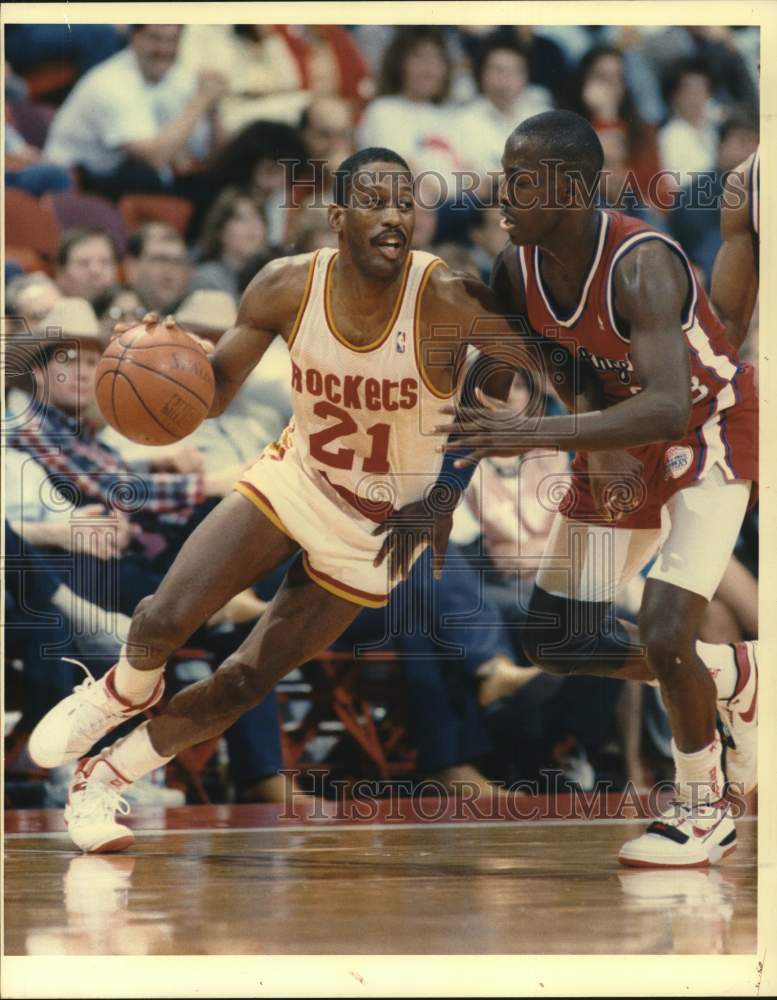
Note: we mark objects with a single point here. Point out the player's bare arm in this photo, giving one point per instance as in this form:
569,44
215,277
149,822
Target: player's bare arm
268,309
651,287
735,274
572,380
458,312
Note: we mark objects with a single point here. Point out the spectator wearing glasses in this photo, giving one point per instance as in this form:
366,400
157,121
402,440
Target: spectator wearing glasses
120,304
157,266
87,263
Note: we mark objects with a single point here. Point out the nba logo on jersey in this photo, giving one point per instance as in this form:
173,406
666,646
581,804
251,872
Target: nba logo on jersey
401,341
677,459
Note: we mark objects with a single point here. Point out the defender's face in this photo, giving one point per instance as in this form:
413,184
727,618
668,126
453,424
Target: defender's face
530,194
377,223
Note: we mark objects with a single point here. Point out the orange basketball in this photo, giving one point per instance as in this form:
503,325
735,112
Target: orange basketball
154,384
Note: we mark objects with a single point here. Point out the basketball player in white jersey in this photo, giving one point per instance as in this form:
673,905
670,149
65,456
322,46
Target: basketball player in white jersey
360,323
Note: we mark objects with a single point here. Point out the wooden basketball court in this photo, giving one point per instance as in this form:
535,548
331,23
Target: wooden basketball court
411,878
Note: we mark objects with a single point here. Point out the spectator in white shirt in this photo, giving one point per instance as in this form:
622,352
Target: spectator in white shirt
689,141
139,117
412,115
507,98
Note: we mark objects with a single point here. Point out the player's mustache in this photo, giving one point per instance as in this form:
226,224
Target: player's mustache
386,234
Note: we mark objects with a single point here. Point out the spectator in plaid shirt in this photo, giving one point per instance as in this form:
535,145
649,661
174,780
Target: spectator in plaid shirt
59,430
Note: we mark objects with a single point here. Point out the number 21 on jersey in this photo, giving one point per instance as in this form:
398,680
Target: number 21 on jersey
343,458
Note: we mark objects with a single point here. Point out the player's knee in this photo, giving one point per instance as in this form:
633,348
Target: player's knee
667,643
244,683
156,624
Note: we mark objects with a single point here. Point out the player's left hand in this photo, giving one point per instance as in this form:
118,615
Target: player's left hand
615,479
422,522
493,429
152,319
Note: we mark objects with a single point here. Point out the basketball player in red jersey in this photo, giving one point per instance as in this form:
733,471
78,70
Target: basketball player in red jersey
359,323
735,274
624,298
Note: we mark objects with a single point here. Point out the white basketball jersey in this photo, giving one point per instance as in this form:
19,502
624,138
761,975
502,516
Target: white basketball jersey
364,416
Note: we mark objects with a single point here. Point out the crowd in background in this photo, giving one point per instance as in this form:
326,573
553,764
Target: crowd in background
159,167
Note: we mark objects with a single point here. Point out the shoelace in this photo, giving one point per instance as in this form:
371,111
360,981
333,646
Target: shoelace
678,812
99,801
90,678
91,717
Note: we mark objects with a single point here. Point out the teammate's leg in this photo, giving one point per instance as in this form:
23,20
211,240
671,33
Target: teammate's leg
301,620
233,546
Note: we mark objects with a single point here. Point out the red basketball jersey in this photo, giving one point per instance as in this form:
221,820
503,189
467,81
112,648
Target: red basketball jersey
723,425
600,337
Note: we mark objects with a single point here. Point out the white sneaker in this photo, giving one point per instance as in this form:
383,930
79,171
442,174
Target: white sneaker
740,715
73,726
145,792
683,836
90,813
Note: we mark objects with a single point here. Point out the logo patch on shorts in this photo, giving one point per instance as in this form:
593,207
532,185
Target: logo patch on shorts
677,461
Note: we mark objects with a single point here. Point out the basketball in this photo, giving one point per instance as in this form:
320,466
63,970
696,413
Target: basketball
154,384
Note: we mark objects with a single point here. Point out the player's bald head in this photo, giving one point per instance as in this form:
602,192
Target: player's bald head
561,136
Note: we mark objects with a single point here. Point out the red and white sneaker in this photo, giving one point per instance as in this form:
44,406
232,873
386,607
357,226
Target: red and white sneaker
684,836
93,801
739,714
73,726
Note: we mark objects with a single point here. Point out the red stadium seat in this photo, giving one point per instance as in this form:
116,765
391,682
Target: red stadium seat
31,223
50,78
28,260
359,702
139,208
72,208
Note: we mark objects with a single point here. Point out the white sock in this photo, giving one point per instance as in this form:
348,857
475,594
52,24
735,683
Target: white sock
134,686
133,755
719,659
699,774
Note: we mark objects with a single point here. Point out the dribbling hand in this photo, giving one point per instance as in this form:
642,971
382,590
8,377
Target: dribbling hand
151,319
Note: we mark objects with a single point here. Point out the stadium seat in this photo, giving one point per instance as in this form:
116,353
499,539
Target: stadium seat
72,208
31,224
32,121
28,260
139,208
50,79
360,705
